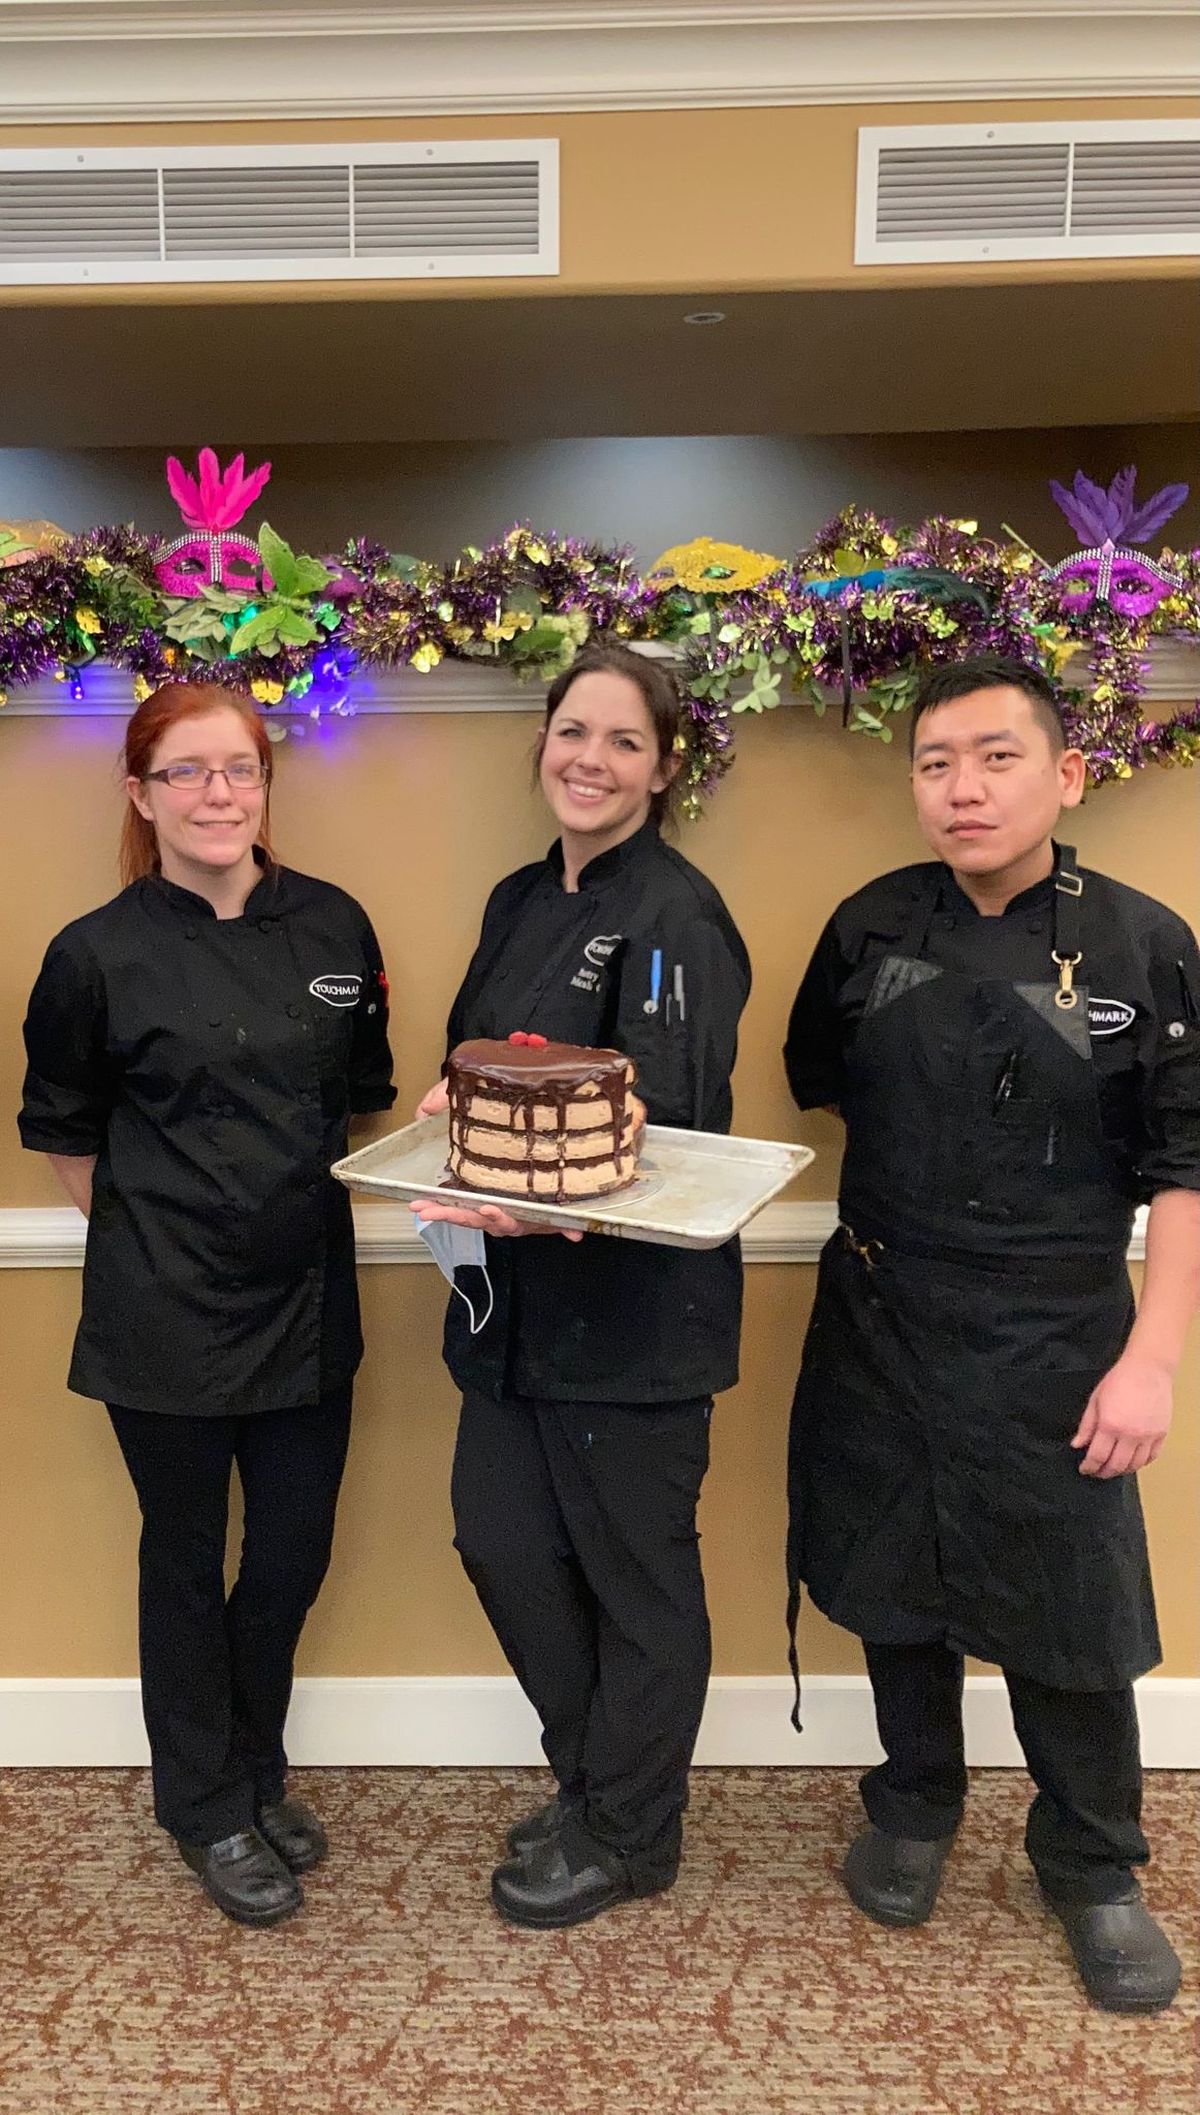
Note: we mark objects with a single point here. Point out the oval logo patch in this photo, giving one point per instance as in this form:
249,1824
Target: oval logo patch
337,990
600,947
1109,1016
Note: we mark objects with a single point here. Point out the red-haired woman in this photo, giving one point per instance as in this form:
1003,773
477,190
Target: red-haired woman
196,1049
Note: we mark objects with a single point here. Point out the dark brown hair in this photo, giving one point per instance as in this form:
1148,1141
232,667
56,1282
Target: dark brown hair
659,689
164,708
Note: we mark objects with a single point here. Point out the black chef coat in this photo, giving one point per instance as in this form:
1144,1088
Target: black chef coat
605,1320
996,1148
212,1066
969,1114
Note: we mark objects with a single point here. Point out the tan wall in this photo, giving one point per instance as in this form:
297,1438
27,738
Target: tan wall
418,815
662,200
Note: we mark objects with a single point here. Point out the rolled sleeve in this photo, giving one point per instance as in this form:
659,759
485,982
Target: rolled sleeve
684,1057
68,1090
1170,1159
812,1053
371,1054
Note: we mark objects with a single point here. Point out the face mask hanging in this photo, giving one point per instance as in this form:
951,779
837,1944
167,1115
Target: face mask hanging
456,1248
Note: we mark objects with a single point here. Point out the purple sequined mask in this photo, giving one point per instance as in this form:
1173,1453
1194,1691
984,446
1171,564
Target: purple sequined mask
1108,571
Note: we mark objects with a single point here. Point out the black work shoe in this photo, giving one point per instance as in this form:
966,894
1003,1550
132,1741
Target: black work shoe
1126,1960
540,1827
294,1834
543,1890
894,1878
244,1877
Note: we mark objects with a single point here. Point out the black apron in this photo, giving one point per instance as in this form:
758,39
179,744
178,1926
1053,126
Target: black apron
973,1297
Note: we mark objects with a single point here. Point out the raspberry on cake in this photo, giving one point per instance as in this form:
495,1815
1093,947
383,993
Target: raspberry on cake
547,1122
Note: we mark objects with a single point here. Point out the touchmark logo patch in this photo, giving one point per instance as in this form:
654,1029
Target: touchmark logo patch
338,990
601,947
1109,1016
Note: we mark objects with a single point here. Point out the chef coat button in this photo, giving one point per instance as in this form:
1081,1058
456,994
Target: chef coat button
312,1273
265,924
1036,925
189,932
214,1024
313,1187
293,1013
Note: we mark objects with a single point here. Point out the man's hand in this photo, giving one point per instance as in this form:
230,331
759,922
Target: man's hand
1127,1418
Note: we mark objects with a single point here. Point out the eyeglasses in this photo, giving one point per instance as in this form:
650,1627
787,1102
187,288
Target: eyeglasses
240,776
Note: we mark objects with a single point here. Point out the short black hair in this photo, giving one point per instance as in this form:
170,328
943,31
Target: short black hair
958,679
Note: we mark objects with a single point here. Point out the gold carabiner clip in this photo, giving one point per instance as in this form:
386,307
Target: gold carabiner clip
870,1251
1066,996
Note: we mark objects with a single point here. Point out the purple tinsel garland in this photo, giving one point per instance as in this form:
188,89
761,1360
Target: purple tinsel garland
511,601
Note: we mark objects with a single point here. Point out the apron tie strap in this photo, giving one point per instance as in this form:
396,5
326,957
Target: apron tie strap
1067,952
793,1619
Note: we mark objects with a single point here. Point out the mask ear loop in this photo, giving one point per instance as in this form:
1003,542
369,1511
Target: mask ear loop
468,1304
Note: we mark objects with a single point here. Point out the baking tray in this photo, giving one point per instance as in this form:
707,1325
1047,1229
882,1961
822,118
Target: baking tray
695,1189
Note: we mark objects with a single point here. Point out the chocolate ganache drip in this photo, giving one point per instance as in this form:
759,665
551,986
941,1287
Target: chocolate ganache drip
521,1119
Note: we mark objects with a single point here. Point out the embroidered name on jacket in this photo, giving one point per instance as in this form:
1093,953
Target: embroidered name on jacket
337,990
1109,1016
599,950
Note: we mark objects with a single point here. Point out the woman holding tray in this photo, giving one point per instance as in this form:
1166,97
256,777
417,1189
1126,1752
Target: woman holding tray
196,1049
587,1392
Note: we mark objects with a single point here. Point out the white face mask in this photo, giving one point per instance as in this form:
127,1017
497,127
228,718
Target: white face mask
454,1248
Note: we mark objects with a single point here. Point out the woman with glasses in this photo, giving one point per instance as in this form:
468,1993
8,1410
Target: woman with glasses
196,1049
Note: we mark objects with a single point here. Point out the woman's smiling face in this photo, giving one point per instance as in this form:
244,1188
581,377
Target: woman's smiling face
599,766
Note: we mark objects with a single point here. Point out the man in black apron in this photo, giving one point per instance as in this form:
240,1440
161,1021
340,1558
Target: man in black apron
1014,1046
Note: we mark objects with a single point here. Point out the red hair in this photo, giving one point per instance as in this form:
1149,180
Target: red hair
163,709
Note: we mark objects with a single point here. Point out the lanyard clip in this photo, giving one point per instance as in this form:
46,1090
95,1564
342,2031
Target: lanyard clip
1066,996
870,1251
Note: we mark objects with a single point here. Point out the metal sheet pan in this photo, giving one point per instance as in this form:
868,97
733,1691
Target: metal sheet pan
695,1189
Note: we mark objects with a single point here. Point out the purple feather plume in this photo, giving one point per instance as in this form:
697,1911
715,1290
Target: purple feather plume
1099,517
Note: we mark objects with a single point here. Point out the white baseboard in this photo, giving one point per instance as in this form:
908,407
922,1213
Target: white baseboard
473,1721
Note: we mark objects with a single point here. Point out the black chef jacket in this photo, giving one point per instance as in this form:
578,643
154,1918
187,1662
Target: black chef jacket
995,1148
212,1066
605,1320
1141,970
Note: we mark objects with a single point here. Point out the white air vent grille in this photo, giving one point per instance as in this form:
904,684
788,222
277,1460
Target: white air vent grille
967,193
461,209
1122,189
952,192
65,213
215,213
453,208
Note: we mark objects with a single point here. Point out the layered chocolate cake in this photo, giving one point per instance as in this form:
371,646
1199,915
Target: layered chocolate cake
548,1121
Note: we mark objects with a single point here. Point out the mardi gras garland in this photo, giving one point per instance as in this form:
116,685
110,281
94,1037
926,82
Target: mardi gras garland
853,617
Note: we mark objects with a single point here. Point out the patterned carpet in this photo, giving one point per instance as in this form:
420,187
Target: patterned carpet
751,1989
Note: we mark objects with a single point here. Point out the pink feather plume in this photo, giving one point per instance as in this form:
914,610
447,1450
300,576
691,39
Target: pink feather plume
218,499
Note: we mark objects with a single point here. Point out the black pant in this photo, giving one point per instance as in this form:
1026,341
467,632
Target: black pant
1081,1750
576,1524
217,1672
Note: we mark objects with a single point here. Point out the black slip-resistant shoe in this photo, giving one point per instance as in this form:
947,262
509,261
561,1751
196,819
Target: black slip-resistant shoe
894,1879
294,1834
540,1827
1125,1960
544,1891
244,1877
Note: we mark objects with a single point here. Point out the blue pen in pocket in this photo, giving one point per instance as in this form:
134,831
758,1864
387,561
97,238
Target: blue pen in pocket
651,1004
